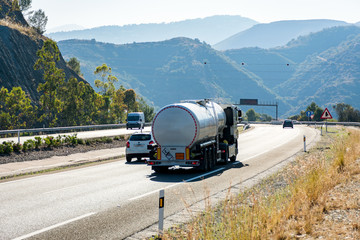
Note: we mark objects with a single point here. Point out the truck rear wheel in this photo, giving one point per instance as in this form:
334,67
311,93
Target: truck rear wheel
204,164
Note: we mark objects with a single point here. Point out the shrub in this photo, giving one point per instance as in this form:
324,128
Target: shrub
49,141
89,141
38,142
1,148
71,139
28,145
8,147
58,141
81,141
17,147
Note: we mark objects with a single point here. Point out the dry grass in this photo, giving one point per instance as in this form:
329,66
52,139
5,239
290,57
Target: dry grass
317,196
28,31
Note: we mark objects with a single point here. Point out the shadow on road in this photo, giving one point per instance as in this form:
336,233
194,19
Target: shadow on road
192,174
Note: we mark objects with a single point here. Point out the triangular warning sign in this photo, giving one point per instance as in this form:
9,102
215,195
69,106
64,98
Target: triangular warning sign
326,114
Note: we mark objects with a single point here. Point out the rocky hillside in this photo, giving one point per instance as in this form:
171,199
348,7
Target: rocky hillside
18,47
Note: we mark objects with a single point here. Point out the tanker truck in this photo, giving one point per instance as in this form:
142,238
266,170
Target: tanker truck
194,133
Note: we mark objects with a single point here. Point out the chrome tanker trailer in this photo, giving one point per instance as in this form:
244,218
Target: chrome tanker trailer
194,133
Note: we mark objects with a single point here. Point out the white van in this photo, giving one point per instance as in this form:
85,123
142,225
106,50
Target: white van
135,120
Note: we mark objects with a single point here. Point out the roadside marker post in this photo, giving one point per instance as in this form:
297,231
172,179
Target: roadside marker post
161,211
304,143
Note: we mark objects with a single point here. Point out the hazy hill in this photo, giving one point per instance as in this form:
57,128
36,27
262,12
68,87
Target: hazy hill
332,76
316,67
274,34
313,43
276,65
210,29
271,67
168,71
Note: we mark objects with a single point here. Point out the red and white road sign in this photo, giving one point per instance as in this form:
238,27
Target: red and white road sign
326,114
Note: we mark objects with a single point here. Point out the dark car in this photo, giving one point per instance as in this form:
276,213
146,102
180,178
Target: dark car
288,124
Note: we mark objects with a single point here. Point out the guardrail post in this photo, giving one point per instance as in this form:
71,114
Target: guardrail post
161,211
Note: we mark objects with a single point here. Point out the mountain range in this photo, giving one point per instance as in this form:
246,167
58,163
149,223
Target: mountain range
181,68
275,34
210,29
168,71
321,66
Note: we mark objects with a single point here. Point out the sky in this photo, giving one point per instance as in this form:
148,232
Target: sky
94,13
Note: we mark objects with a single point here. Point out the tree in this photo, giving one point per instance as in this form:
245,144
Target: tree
106,83
315,109
130,101
251,115
24,5
118,105
38,21
54,78
346,113
147,110
74,64
16,110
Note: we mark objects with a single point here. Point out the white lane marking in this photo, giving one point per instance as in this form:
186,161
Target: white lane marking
54,226
173,185
253,156
65,188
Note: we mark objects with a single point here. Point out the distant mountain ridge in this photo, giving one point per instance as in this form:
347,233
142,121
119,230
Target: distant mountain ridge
168,71
210,29
275,34
321,67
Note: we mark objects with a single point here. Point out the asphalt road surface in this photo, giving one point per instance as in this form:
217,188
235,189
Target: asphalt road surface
117,199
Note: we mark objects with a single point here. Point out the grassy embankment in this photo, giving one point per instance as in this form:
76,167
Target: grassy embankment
318,195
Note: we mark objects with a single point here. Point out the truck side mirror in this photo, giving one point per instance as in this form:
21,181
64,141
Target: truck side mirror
239,113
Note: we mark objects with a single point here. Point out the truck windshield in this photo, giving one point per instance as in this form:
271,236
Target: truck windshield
133,118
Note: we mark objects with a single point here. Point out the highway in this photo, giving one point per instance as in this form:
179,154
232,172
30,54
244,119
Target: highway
117,199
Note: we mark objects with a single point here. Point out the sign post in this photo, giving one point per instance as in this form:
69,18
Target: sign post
309,114
326,115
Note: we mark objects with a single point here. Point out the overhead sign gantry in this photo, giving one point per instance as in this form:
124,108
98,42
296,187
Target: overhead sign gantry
255,102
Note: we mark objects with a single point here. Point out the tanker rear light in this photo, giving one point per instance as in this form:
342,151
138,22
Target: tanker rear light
158,153
223,151
179,156
187,153
192,162
151,163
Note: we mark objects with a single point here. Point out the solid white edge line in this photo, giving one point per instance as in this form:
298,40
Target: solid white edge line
173,185
54,226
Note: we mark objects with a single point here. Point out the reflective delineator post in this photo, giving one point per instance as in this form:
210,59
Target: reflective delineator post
161,211
304,143
19,136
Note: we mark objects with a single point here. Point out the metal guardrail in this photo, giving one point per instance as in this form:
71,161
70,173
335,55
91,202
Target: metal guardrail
64,129
350,124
